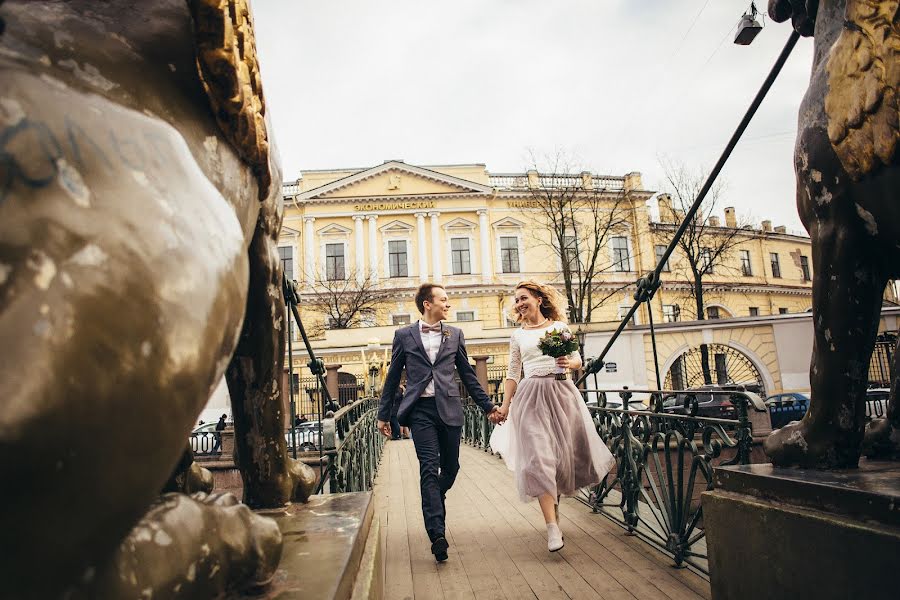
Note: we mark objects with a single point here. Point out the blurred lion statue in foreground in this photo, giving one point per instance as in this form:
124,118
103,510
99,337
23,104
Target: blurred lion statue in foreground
140,204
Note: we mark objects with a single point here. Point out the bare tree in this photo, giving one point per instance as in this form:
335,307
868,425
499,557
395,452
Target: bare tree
706,246
345,299
581,217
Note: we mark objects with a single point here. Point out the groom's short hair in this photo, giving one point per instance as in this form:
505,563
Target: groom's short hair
425,294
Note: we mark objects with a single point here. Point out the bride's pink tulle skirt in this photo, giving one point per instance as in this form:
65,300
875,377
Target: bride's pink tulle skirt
549,440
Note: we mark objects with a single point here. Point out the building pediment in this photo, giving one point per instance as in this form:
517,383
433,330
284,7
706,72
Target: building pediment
508,223
335,230
459,224
396,227
394,179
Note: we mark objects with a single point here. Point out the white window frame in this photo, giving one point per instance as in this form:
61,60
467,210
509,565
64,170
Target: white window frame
401,314
706,260
398,231
472,258
461,228
508,227
410,269
667,267
323,263
666,317
519,244
623,310
741,254
466,310
628,248
293,258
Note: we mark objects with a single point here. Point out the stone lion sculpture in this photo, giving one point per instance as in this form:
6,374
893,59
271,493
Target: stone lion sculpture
847,185
140,203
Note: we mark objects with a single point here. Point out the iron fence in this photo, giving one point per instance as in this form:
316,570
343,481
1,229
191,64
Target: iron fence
357,447
308,395
664,461
881,365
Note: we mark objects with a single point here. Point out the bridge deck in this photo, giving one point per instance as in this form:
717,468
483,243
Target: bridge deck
497,543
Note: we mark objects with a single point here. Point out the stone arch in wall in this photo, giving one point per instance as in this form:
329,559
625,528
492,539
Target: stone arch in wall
728,363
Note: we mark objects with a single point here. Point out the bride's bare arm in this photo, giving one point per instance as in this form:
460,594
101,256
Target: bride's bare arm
509,388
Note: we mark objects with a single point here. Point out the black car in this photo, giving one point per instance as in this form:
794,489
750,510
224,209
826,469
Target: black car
710,405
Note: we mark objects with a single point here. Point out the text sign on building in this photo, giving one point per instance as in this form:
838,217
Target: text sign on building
610,367
380,206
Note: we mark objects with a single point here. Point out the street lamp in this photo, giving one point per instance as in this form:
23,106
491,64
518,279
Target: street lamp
748,27
580,334
373,374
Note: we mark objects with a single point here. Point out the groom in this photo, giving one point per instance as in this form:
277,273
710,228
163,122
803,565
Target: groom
431,406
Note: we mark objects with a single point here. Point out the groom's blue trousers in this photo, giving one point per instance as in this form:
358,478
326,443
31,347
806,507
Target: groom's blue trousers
437,446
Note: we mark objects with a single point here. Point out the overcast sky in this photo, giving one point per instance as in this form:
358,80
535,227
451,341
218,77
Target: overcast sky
615,84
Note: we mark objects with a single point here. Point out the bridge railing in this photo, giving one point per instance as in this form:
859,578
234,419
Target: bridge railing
664,461
353,447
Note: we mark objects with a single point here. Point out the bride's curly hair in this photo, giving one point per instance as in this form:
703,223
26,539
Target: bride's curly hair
550,300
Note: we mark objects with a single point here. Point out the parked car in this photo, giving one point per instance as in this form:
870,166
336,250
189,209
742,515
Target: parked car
791,406
307,435
616,403
710,405
787,407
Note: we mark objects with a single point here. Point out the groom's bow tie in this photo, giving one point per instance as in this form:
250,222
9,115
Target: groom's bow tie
436,328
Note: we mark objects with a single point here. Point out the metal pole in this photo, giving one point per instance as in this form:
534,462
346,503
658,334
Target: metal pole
291,404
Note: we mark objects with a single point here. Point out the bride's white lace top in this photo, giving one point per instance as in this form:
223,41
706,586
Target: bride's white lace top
524,355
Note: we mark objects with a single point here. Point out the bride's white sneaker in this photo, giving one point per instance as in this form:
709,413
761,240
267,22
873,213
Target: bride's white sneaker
554,537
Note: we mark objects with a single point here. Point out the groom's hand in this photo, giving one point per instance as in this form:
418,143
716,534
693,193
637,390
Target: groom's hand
384,427
495,416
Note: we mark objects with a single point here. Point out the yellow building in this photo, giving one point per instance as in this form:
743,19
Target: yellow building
396,225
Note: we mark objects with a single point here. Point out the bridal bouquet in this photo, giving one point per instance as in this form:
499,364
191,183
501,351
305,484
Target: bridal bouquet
556,343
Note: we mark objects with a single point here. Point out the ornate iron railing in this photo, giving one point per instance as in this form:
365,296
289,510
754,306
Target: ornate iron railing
357,446
476,427
664,461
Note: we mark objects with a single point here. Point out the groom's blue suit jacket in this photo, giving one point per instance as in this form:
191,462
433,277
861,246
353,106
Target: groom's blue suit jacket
408,352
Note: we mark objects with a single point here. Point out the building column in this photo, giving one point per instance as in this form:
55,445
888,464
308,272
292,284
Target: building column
373,247
331,383
359,247
423,251
486,273
481,371
435,247
309,252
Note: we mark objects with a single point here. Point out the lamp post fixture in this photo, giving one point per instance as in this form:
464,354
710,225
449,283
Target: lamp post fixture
580,334
373,374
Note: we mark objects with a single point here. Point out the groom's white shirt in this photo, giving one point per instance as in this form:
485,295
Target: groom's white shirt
432,343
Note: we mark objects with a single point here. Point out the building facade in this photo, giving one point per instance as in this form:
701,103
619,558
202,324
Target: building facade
394,226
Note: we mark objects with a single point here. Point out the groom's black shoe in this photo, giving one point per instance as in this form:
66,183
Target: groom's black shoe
439,549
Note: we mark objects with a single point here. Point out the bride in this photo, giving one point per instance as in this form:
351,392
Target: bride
549,439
